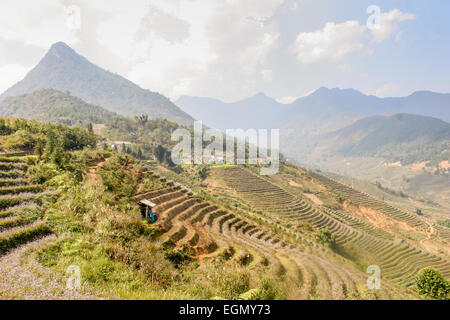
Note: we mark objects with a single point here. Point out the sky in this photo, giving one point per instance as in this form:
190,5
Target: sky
234,49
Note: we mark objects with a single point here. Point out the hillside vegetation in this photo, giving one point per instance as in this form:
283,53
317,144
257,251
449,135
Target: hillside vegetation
221,232
401,137
63,69
53,106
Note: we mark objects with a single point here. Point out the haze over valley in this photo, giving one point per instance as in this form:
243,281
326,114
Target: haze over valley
119,179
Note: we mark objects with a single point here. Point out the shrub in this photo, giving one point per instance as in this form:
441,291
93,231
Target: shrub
269,292
326,238
431,284
118,177
20,140
245,258
252,294
266,291
177,257
43,172
232,284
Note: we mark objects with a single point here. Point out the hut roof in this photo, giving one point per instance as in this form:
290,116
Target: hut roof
147,203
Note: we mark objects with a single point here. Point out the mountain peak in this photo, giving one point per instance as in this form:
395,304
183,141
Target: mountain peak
322,90
328,91
64,69
260,96
61,51
60,46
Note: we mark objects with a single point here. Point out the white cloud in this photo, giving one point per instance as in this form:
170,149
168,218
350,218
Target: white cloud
399,36
286,100
345,68
267,75
23,21
200,47
331,43
387,90
213,52
228,49
10,74
295,6
389,23
336,40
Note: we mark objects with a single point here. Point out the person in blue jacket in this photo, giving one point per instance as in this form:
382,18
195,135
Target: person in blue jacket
151,214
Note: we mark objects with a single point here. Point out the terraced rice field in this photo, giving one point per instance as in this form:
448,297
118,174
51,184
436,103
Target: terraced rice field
20,214
399,261
366,200
210,231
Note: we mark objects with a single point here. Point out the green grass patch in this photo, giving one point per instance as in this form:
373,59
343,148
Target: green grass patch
11,223
13,240
11,174
224,166
21,189
27,159
12,166
12,182
444,223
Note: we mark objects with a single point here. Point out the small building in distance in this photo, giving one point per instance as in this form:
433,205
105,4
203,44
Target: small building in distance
120,144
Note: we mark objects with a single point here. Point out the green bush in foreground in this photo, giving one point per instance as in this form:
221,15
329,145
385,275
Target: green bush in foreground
326,238
431,284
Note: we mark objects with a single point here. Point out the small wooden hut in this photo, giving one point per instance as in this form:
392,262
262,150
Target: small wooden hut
148,209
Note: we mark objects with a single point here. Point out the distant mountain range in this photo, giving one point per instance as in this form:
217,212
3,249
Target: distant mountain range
424,103
401,137
53,106
323,110
339,122
66,88
255,112
65,70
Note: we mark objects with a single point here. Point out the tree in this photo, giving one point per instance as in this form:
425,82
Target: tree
139,154
91,128
168,159
51,143
57,156
203,172
160,153
142,120
39,148
431,284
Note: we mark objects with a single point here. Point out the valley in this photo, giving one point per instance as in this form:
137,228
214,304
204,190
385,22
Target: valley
356,191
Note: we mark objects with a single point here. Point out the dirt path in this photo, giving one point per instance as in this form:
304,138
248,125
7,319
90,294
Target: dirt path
24,278
92,173
429,233
313,198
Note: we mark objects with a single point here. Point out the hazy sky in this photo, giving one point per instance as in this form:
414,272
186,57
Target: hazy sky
232,49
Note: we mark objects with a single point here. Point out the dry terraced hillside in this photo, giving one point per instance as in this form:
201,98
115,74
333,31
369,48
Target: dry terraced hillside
264,246
270,234
399,261
20,218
